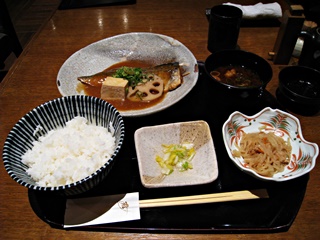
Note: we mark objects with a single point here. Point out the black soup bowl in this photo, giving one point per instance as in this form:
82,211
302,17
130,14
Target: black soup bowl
233,94
299,90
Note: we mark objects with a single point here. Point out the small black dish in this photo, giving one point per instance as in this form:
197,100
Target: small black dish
299,90
235,94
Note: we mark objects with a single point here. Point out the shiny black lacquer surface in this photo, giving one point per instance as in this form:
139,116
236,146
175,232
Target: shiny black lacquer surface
275,214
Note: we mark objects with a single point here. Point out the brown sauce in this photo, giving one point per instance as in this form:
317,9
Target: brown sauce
122,105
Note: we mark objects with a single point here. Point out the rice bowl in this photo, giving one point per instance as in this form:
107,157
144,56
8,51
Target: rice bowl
53,115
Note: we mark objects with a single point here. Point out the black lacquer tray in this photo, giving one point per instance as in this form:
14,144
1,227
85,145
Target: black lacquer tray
275,214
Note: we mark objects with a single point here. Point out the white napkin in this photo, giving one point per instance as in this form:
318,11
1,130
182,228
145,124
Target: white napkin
259,10
126,209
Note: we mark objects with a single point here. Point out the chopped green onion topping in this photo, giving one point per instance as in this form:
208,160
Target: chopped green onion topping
176,156
132,74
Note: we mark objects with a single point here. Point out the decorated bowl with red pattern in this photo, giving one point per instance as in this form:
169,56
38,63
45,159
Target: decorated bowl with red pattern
303,154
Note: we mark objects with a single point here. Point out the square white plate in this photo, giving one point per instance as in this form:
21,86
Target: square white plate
148,143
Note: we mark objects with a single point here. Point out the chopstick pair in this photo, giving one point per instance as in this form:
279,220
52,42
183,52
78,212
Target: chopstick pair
126,207
204,198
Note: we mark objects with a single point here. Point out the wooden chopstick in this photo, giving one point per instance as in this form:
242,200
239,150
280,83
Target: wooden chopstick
205,198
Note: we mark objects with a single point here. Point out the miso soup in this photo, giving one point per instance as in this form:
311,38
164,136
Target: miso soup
236,76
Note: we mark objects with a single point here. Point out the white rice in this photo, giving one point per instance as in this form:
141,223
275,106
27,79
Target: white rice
69,154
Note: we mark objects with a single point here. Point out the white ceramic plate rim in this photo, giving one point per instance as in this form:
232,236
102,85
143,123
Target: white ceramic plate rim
89,60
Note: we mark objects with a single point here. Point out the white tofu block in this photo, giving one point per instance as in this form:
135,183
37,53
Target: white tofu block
114,88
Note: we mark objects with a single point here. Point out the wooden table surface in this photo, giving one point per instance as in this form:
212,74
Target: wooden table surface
32,81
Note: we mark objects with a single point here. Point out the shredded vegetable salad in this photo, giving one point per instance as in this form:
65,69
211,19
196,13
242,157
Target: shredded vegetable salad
176,156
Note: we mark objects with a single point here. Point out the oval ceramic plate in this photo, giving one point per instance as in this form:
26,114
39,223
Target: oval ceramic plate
303,154
155,48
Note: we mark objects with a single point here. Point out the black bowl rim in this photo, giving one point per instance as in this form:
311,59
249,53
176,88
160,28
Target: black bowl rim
239,51
6,147
305,109
295,96
235,10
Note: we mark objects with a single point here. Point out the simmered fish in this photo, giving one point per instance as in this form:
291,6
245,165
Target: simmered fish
170,73
97,79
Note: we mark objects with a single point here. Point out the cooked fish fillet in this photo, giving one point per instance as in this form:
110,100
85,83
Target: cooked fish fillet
170,74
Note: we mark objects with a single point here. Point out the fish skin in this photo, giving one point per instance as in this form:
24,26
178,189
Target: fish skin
170,72
175,80
95,80
162,67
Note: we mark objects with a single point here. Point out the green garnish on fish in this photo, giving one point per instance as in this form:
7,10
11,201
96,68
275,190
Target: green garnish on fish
133,74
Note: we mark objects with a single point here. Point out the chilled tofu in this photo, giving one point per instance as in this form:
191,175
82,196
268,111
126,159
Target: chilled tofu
114,88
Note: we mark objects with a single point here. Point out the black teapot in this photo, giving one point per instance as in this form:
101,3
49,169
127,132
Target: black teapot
310,54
